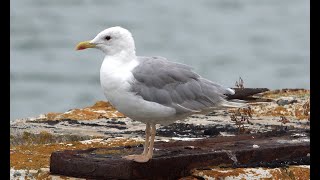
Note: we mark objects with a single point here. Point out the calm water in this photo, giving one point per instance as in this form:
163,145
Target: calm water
266,42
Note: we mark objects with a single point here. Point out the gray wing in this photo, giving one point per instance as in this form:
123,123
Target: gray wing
175,85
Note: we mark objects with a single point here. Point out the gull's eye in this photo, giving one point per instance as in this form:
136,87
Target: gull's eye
107,38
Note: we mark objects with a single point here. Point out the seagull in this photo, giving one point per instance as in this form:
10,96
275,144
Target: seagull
152,90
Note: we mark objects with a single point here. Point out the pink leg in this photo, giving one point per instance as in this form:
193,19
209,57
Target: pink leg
146,142
148,150
153,134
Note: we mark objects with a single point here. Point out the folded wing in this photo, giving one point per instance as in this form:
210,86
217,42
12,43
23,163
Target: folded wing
176,85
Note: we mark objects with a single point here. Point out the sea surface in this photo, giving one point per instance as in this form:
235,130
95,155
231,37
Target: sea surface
265,42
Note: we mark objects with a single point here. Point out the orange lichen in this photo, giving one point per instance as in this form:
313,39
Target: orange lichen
38,156
52,115
300,173
219,173
279,111
102,105
280,173
42,176
292,172
286,92
99,110
297,111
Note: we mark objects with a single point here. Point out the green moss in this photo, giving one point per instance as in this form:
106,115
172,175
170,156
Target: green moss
45,137
27,137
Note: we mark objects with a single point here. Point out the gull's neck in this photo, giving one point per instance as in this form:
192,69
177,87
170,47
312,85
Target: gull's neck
123,57
125,60
116,70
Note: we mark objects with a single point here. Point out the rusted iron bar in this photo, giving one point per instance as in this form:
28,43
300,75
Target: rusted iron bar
175,159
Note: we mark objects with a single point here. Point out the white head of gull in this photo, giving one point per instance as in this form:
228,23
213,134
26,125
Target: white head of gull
152,90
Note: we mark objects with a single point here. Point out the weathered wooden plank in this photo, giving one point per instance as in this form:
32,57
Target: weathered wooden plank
175,159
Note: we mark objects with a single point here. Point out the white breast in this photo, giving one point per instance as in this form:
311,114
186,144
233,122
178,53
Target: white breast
115,79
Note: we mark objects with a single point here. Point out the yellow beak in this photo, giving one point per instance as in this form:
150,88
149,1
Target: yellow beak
85,45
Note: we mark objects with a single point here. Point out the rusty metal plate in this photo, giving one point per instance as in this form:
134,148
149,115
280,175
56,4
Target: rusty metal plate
175,159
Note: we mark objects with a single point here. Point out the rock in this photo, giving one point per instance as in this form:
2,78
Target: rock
215,130
16,173
291,172
44,169
32,171
255,146
32,140
282,102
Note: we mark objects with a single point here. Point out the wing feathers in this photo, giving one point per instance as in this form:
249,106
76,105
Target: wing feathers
176,85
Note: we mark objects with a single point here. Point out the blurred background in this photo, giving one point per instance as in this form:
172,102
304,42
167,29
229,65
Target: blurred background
264,42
